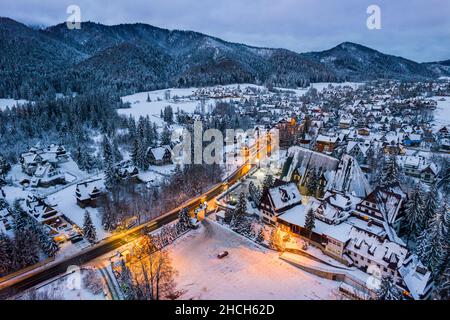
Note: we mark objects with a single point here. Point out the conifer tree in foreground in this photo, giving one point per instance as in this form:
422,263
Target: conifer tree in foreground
260,235
390,174
239,213
388,290
184,220
267,183
430,205
310,222
108,163
432,246
88,228
126,282
414,214
6,252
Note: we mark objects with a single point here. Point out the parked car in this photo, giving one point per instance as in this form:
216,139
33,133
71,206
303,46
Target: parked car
222,255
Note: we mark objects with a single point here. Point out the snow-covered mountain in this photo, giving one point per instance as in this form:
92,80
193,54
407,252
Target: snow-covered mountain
137,57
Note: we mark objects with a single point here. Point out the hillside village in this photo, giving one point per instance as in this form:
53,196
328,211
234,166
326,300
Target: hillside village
361,177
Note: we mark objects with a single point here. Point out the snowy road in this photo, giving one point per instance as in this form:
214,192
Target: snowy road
249,272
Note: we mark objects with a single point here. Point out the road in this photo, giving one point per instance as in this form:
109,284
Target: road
24,281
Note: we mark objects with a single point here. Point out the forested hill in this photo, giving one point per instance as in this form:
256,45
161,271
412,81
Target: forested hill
136,57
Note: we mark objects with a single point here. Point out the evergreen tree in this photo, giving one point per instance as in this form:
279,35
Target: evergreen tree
111,178
430,205
6,254
433,243
46,242
88,228
312,183
310,221
166,136
255,193
148,98
267,183
155,132
239,213
390,175
126,282
184,220
388,290
26,251
260,235
116,152
4,166
135,152
414,219
168,114
442,285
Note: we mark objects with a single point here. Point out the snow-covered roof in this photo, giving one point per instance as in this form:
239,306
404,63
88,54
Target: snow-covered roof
380,251
416,277
297,215
327,139
285,196
85,189
159,152
350,178
304,159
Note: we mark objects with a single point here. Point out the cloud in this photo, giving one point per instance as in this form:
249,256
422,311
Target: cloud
415,29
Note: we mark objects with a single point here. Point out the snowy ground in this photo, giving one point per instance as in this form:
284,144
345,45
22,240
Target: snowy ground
68,287
322,85
442,112
249,272
67,204
140,106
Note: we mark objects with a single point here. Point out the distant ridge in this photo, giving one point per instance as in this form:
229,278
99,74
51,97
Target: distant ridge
134,57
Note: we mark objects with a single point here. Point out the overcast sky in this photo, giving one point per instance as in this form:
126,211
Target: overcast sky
414,29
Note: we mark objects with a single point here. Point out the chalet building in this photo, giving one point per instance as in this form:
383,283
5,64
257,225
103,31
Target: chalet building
281,197
47,175
325,144
343,175
47,214
301,162
444,132
359,150
364,131
419,167
290,132
159,156
412,140
126,170
53,154
345,123
382,207
88,193
359,243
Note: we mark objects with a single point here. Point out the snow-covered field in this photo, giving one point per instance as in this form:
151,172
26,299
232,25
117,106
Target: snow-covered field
323,85
248,272
442,112
67,287
140,106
